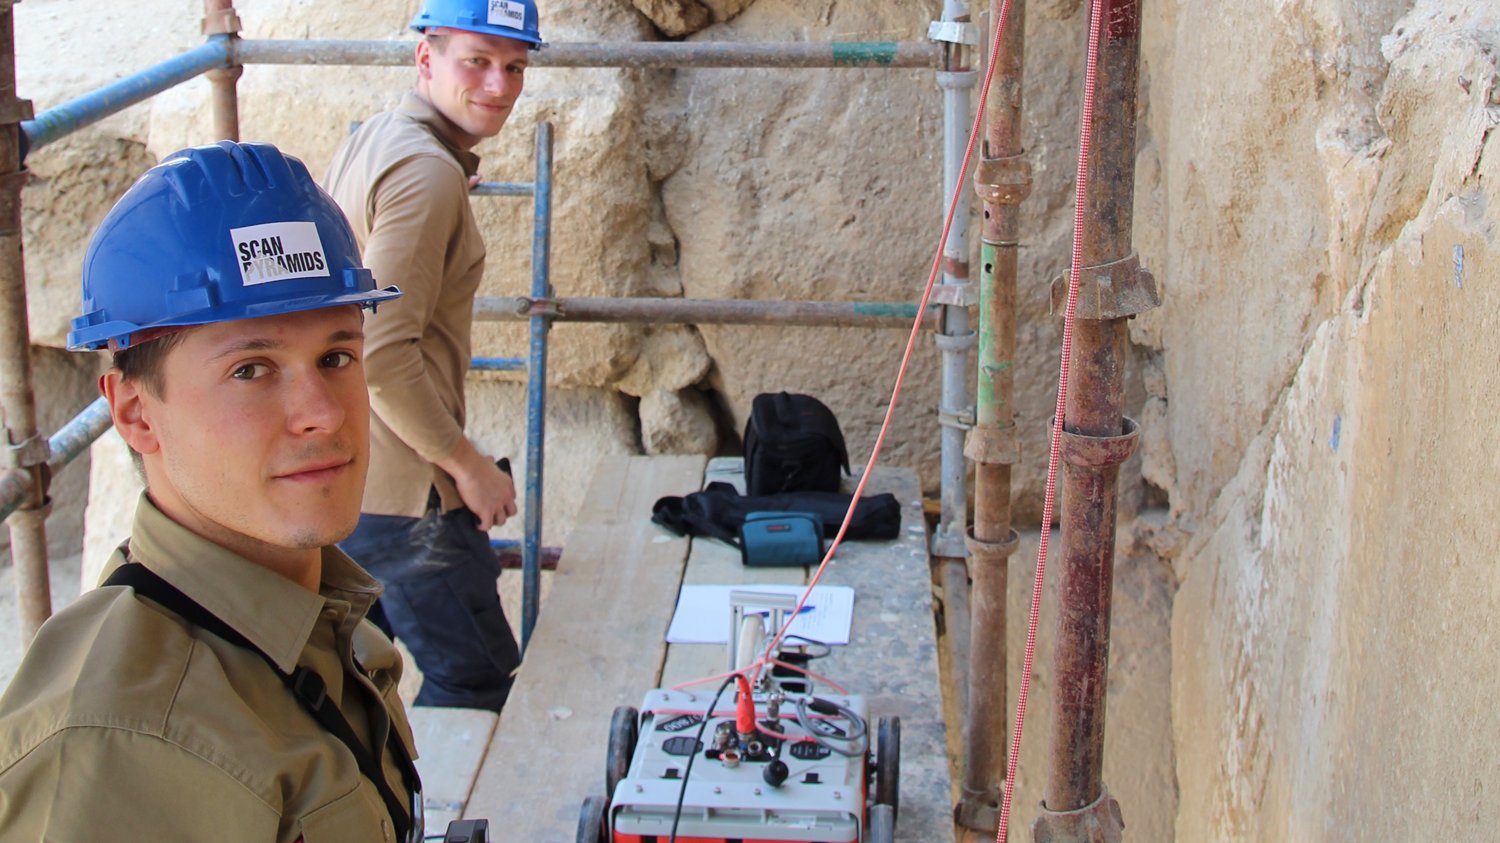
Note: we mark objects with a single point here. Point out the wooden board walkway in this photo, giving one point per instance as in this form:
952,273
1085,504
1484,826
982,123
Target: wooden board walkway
600,642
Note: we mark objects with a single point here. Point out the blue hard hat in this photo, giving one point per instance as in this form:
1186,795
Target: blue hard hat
514,19
213,234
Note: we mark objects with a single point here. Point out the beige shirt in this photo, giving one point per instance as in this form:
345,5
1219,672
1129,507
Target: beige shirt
124,722
404,185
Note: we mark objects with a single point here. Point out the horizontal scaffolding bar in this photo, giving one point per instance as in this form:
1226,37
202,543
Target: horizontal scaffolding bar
509,551
895,54
503,188
705,311
61,121
74,438
498,364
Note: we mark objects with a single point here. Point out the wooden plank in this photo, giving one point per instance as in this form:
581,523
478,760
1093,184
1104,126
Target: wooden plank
452,743
598,644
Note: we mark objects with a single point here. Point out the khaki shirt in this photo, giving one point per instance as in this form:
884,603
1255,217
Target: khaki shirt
405,187
125,722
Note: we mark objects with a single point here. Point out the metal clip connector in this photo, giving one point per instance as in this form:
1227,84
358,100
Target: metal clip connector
34,451
1003,181
953,32
221,22
1111,290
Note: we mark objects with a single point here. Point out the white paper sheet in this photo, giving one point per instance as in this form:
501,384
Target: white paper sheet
703,617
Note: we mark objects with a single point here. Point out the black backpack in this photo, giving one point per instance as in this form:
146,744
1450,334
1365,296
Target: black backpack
792,444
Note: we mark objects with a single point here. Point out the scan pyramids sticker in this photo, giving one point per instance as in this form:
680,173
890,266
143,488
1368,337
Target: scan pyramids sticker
279,251
507,13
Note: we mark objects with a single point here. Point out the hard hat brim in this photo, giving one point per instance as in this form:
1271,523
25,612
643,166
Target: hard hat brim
96,337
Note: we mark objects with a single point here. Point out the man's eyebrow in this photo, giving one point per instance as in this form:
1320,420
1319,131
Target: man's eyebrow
346,335
242,346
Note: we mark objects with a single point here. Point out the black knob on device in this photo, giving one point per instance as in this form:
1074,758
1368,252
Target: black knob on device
776,772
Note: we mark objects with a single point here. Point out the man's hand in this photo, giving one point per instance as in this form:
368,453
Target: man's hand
487,491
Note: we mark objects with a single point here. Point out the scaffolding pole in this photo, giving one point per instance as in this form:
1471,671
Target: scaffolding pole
26,451
624,54
1097,438
658,311
1003,180
220,21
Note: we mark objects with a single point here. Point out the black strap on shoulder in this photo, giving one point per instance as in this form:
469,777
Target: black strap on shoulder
305,684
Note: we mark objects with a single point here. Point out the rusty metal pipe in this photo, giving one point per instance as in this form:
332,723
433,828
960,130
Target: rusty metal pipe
1003,179
703,311
1097,438
27,451
221,21
888,54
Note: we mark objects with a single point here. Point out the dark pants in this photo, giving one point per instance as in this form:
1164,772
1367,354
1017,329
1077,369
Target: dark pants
440,599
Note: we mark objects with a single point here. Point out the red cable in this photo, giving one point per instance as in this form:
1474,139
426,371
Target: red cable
911,339
1085,141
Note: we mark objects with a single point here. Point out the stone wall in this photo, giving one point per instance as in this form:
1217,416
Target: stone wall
1305,536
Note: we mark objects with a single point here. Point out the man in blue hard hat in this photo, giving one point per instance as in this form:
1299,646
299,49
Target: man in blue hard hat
403,178
222,683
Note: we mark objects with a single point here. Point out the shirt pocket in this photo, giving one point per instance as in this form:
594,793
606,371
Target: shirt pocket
352,818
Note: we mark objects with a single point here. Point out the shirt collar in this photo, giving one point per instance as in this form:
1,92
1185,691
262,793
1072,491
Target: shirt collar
414,106
272,612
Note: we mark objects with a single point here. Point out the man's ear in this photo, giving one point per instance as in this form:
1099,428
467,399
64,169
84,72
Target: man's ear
424,60
127,406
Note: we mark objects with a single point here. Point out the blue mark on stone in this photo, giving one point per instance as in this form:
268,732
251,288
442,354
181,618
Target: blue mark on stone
1333,441
1458,265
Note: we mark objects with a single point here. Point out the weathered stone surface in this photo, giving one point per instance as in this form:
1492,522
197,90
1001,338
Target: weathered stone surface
677,423
582,426
675,18
671,357
1314,681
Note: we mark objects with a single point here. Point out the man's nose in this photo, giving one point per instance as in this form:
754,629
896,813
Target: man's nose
313,405
501,82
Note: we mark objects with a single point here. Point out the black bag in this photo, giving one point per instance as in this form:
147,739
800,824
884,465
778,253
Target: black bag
792,444
719,511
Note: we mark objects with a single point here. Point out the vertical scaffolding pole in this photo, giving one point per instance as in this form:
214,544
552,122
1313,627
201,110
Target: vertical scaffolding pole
536,384
220,21
954,339
26,450
1002,179
1097,438
955,293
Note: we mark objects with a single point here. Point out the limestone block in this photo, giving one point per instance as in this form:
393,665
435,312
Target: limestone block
725,10
675,18
677,423
671,357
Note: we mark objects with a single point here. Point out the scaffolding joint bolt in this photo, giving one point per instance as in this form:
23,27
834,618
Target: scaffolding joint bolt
956,342
1003,181
1099,452
978,810
953,32
961,294
992,444
32,452
961,419
1111,290
1098,822
16,110
221,22
982,551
